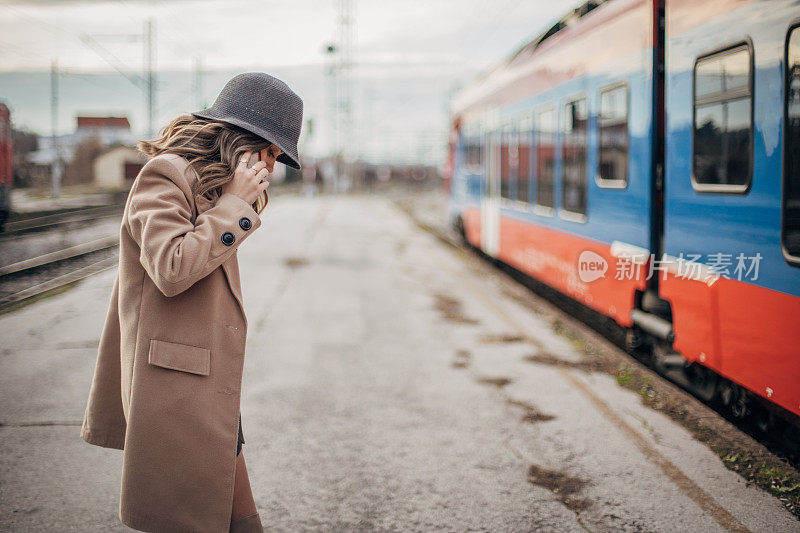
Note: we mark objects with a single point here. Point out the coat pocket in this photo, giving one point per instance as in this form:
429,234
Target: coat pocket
177,356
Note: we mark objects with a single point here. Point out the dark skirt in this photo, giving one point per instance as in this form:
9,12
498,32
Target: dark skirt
241,437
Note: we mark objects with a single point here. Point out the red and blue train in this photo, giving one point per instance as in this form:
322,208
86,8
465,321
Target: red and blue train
643,158
6,165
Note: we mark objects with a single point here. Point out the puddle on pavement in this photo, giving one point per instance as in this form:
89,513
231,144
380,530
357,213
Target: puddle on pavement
496,381
501,338
450,308
532,415
562,485
544,358
295,262
462,359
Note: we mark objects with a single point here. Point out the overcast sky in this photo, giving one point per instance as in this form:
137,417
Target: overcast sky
398,41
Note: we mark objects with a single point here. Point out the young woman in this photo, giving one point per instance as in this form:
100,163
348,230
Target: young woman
167,383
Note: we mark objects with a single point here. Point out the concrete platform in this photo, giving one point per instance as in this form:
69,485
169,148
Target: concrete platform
385,389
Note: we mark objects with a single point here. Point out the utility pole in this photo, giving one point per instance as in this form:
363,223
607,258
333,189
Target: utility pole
150,77
338,71
56,168
347,34
331,68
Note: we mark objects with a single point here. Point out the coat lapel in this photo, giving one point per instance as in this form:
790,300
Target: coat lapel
231,266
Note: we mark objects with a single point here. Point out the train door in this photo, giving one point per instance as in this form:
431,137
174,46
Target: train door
490,199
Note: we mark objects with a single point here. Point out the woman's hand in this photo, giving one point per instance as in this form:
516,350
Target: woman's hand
247,181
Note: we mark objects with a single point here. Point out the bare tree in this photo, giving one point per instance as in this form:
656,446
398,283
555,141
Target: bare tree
79,170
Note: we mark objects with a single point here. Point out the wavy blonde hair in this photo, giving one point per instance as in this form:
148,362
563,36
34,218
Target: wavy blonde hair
212,148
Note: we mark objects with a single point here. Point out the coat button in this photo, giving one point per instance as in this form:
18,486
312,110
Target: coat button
228,238
244,223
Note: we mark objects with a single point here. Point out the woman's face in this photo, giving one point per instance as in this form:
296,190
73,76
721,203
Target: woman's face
269,154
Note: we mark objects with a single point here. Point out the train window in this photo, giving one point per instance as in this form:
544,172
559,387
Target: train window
474,152
491,148
573,156
722,72
524,139
545,157
791,185
505,163
722,143
613,129
513,162
462,147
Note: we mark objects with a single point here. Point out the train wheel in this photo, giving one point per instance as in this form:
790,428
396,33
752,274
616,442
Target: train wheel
702,381
699,380
462,233
666,361
764,419
637,344
633,339
735,398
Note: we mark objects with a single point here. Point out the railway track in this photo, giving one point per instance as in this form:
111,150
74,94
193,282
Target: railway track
21,228
33,277
15,298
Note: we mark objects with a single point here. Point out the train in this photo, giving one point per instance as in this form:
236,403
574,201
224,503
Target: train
642,157
6,165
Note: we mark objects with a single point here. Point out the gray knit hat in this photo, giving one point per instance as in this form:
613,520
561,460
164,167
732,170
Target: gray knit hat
264,105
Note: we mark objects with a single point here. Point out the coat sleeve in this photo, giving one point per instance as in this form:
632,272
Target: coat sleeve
175,251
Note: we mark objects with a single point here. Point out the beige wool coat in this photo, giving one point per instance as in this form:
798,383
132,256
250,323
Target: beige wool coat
167,381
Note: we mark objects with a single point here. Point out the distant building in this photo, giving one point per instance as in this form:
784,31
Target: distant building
92,135
108,131
117,166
